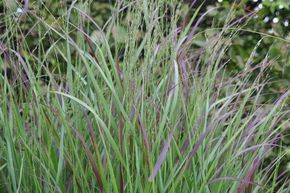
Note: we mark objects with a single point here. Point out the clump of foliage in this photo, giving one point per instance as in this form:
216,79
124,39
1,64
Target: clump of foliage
133,105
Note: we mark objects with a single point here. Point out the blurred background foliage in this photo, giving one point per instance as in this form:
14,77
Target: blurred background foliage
266,30
270,17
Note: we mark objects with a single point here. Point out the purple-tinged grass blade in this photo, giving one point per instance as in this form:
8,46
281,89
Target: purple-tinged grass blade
191,34
249,132
15,65
23,63
144,133
186,143
66,88
232,179
25,7
284,174
239,20
132,113
25,78
120,74
104,162
249,176
95,144
205,134
91,159
158,112
259,120
69,183
162,156
198,123
93,137
185,78
117,11
254,147
193,3
282,97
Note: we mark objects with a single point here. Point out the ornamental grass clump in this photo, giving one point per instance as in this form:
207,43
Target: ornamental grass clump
136,105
